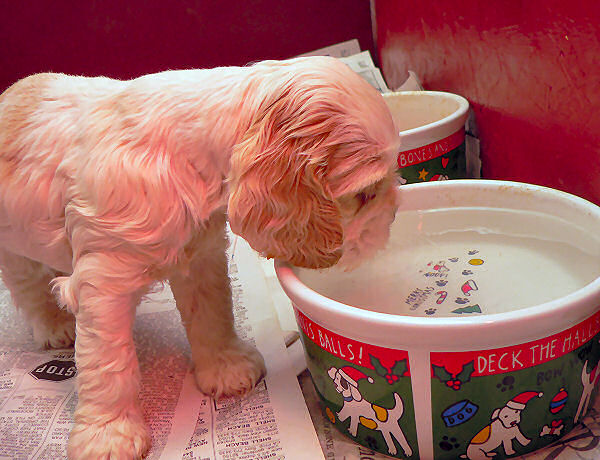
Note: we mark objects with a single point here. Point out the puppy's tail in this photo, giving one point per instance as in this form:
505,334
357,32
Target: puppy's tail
398,410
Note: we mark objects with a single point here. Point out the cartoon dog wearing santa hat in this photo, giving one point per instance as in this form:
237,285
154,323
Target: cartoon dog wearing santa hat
502,430
364,413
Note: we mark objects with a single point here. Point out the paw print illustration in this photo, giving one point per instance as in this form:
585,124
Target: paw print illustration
372,442
453,259
467,272
430,311
506,384
473,252
461,300
441,283
448,443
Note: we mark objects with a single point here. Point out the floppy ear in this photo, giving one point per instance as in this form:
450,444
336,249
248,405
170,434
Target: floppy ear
332,372
355,393
279,200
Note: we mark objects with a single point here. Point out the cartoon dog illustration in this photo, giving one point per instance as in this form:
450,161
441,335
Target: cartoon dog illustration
363,412
589,382
502,430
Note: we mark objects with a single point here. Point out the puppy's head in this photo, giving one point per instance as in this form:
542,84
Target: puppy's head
312,179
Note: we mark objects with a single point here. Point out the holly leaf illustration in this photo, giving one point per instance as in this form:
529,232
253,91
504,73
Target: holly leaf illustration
465,374
379,368
399,368
441,373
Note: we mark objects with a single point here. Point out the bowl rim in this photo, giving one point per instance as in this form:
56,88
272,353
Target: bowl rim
451,123
487,330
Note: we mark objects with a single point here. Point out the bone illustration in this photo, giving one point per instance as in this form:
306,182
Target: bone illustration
589,382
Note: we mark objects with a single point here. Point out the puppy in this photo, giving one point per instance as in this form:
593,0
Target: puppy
107,187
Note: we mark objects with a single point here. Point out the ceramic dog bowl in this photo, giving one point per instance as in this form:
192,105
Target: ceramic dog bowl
431,125
475,333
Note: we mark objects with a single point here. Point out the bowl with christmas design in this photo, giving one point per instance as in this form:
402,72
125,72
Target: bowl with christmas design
474,334
431,126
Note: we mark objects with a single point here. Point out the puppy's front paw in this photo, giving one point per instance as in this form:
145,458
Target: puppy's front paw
55,330
233,371
120,439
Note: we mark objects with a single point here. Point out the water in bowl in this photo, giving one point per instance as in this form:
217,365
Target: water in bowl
467,261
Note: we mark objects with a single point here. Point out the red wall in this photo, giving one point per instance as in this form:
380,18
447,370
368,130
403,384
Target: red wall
531,70
128,38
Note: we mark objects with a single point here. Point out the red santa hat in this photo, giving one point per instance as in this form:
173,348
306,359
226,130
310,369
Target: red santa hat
519,401
353,375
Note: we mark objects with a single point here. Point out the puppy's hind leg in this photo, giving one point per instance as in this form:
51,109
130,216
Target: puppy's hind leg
224,364
29,284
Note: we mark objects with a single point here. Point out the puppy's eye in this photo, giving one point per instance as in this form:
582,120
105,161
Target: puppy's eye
365,197
368,193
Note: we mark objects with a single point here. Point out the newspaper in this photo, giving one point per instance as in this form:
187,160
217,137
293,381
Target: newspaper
360,61
343,49
38,395
412,83
362,64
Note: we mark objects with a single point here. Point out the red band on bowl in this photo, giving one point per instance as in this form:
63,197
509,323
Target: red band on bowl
431,151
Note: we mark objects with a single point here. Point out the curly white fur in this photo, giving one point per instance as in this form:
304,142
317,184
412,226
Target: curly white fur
107,187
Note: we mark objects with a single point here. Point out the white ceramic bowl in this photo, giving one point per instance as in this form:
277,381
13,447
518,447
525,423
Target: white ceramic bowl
431,125
475,332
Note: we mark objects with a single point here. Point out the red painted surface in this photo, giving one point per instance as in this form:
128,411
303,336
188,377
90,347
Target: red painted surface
531,71
125,39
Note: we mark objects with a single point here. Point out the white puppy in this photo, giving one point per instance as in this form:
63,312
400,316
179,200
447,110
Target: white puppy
107,187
